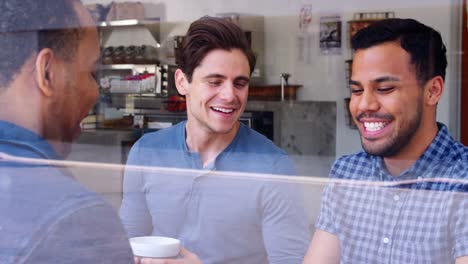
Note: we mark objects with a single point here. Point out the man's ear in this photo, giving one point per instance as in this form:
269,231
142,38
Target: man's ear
44,71
181,82
433,90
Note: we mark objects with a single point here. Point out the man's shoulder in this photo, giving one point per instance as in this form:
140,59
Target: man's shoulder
458,161
447,157
160,148
41,199
445,148
460,151
56,189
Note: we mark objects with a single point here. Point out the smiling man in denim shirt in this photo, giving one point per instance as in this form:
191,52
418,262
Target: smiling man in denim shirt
48,53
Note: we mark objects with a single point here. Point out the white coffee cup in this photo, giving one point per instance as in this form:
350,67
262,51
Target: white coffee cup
155,247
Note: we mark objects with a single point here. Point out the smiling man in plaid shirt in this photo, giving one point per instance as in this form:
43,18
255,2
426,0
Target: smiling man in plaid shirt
404,198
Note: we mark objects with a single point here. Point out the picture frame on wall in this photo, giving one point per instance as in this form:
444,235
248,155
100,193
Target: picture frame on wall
330,35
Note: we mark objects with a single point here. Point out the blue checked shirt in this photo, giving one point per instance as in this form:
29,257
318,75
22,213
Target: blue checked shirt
420,216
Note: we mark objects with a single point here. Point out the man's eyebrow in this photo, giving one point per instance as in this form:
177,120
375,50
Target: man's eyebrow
217,75
386,79
353,82
214,75
377,80
242,78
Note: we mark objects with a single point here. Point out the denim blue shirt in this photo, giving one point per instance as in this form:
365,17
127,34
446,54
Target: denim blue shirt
21,142
420,217
222,218
46,216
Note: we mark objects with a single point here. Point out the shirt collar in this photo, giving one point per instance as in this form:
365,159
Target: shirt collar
16,137
194,157
437,151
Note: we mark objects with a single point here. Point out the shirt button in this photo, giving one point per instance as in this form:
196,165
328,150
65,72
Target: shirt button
419,178
396,197
386,240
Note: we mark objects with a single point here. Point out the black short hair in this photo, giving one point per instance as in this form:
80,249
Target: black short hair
207,34
423,43
28,26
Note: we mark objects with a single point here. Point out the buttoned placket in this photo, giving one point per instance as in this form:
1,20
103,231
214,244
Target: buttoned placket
398,197
191,203
193,200
394,200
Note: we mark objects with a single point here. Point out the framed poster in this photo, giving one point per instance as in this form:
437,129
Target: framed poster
330,35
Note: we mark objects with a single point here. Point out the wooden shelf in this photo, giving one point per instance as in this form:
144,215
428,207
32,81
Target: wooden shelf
272,92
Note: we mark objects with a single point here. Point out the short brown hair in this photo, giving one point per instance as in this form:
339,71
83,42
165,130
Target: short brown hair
207,34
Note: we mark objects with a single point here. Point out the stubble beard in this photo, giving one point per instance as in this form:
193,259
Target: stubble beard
396,143
57,128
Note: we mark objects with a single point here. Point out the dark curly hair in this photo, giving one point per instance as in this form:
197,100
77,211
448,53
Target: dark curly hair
423,43
28,26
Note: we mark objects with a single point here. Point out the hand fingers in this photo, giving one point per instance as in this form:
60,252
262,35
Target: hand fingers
191,257
184,252
161,261
154,261
187,257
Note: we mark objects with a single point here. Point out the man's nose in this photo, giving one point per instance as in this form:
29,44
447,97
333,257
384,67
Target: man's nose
227,92
368,102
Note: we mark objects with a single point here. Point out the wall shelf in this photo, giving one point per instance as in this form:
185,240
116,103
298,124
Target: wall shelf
152,25
151,68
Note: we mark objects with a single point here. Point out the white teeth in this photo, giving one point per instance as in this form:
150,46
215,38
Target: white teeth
374,126
224,110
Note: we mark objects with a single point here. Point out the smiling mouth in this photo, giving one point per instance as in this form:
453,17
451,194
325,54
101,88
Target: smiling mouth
223,110
375,126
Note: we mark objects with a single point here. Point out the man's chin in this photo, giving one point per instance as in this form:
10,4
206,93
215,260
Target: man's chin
66,149
65,145
76,133
62,147
384,150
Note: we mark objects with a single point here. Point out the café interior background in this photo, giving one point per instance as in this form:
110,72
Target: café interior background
322,76
323,79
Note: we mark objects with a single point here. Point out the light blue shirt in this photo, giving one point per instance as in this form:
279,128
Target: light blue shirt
223,219
46,216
